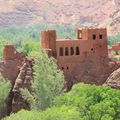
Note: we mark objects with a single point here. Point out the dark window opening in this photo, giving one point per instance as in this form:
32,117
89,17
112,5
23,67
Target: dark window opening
61,51
66,51
67,68
71,51
77,51
94,36
101,36
62,68
92,49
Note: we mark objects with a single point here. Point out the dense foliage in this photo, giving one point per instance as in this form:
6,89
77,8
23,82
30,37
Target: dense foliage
93,103
4,90
55,113
113,39
48,81
31,48
83,102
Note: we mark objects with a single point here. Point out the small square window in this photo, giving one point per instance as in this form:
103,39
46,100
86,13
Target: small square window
101,36
94,36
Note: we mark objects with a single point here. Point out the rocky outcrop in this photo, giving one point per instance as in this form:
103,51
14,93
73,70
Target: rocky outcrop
114,79
18,69
23,81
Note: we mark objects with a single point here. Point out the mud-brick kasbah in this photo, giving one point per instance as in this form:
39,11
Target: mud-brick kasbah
84,59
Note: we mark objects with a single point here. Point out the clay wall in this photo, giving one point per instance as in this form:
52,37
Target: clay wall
12,61
84,46
49,40
9,52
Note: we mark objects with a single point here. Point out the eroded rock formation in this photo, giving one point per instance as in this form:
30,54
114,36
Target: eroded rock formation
114,79
23,81
17,68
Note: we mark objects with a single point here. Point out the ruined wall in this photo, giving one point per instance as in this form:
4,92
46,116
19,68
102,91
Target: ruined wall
11,63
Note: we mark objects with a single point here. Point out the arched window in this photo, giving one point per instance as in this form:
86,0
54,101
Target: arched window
71,51
66,51
77,51
61,51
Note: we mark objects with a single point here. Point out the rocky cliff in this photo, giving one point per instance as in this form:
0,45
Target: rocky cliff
114,79
81,13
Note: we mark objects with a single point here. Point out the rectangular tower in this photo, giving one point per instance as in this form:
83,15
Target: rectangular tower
49,41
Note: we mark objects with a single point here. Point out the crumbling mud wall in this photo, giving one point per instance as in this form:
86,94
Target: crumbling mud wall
11,63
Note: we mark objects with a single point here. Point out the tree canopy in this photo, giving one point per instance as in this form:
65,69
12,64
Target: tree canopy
48,80
83,102
4,90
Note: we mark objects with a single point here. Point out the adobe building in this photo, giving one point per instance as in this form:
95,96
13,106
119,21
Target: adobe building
84,59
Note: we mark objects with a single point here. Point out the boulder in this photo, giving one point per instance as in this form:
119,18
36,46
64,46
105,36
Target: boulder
114,79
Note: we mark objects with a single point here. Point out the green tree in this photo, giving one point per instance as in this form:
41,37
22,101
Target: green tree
54,113
48,80
4,90
92,102
31,48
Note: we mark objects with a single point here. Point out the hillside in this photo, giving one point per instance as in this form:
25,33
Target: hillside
84,13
